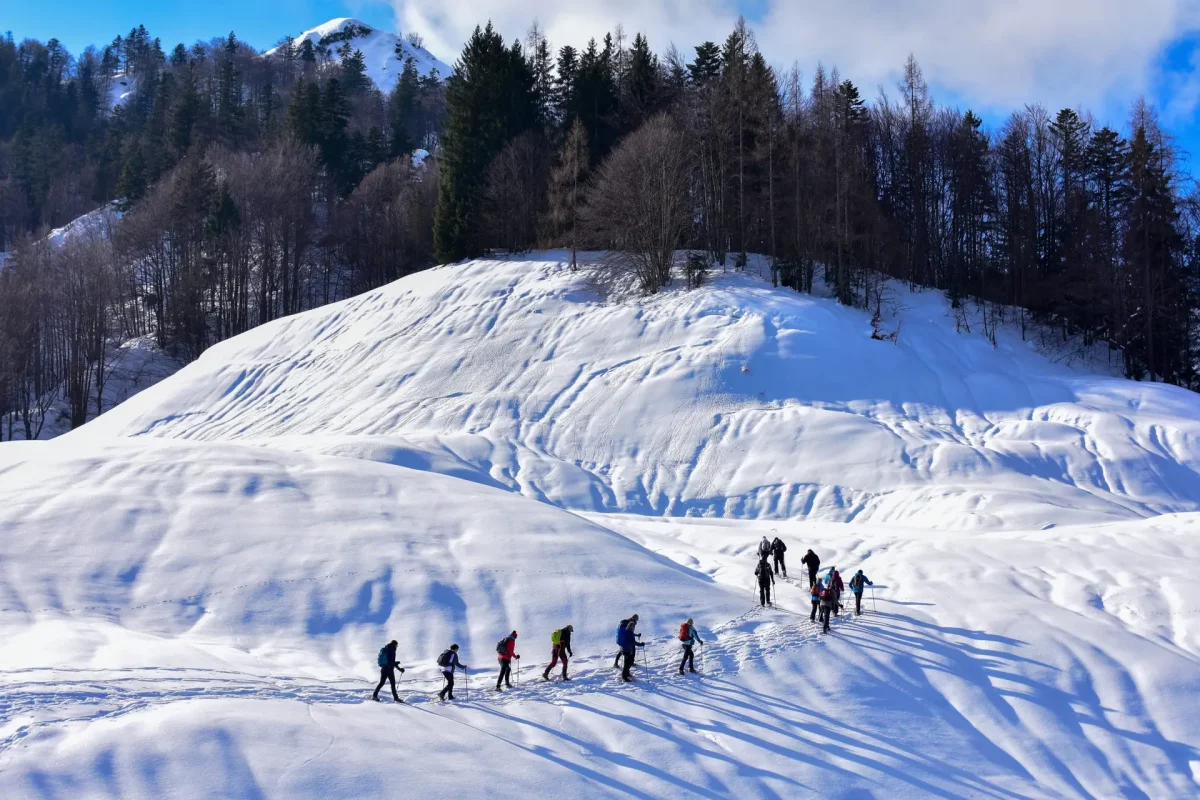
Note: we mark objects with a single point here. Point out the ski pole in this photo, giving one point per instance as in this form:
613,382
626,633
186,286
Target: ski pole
872,598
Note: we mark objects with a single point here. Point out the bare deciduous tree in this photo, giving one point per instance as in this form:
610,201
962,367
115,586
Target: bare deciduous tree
638,207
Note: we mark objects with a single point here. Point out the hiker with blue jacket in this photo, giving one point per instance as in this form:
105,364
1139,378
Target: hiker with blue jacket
856,586
627,639
387,669
448,661
688,637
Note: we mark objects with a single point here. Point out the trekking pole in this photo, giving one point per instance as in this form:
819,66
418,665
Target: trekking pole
872,598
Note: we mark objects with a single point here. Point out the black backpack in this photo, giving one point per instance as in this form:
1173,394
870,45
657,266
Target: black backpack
444,659
502,647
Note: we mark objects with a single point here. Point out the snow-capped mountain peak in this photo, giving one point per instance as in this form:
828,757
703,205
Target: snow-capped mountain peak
384,52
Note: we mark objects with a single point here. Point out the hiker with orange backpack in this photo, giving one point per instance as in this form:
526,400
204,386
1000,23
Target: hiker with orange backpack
688,637
560,647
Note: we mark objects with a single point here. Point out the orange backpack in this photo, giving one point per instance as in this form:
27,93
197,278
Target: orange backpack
684,633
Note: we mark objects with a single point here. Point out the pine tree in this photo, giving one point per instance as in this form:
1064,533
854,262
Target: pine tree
566,188
403,109
354,74
707,66
490,100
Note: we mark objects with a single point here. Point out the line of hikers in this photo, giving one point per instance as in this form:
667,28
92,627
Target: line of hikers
628,640
826,602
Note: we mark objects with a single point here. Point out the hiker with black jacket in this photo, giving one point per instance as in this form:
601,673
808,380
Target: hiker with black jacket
560,647
766,579
448,661
387,669
778,548
627,640
813,563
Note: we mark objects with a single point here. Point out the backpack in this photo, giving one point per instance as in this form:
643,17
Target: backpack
556,637
444,659
684,633
778,545
621,632
382,660
502,647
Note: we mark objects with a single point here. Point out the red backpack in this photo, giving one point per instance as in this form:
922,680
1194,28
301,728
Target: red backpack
684,633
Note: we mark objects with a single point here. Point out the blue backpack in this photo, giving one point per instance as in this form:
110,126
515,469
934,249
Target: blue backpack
623,633
382,660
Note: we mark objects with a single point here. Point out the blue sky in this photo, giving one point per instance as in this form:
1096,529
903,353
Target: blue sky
991,55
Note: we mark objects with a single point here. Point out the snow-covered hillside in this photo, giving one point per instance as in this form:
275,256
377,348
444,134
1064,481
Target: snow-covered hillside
733,401
194,586
379,49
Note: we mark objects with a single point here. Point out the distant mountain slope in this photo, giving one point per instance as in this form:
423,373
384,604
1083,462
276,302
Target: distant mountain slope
735,400
378,48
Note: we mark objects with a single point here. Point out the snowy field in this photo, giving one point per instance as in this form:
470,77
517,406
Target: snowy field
193,586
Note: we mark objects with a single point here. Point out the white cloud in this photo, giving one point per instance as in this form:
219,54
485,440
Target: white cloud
992,53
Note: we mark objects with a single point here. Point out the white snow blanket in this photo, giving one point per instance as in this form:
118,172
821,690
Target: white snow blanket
194,586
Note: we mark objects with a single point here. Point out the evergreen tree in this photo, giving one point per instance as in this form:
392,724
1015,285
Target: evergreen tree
566,188
707,65
403,109
354,74
490,100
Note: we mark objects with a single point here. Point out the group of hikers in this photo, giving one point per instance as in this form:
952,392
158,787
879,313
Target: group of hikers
825,593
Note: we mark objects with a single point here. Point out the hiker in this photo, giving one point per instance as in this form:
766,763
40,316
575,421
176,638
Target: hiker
620,637
765,580
828,603
506,651
688,637
387,669
778,548
448,661
856,586
560,647
835,583
764,548
813,563
815,596
627,639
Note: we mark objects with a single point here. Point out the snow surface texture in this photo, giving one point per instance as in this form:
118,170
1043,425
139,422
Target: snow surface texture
735,401
378,48
193,587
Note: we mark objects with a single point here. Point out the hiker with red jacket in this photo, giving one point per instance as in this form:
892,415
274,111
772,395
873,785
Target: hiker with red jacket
815,595
835,583
560,647
688,637
506,651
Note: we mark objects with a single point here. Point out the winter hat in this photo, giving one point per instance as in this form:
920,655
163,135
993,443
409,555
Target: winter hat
453,647
514,634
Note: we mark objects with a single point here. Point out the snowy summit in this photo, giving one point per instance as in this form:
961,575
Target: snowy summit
383,52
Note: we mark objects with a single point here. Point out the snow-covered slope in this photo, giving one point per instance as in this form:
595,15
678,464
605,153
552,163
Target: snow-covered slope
193,587
736,400
378,47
